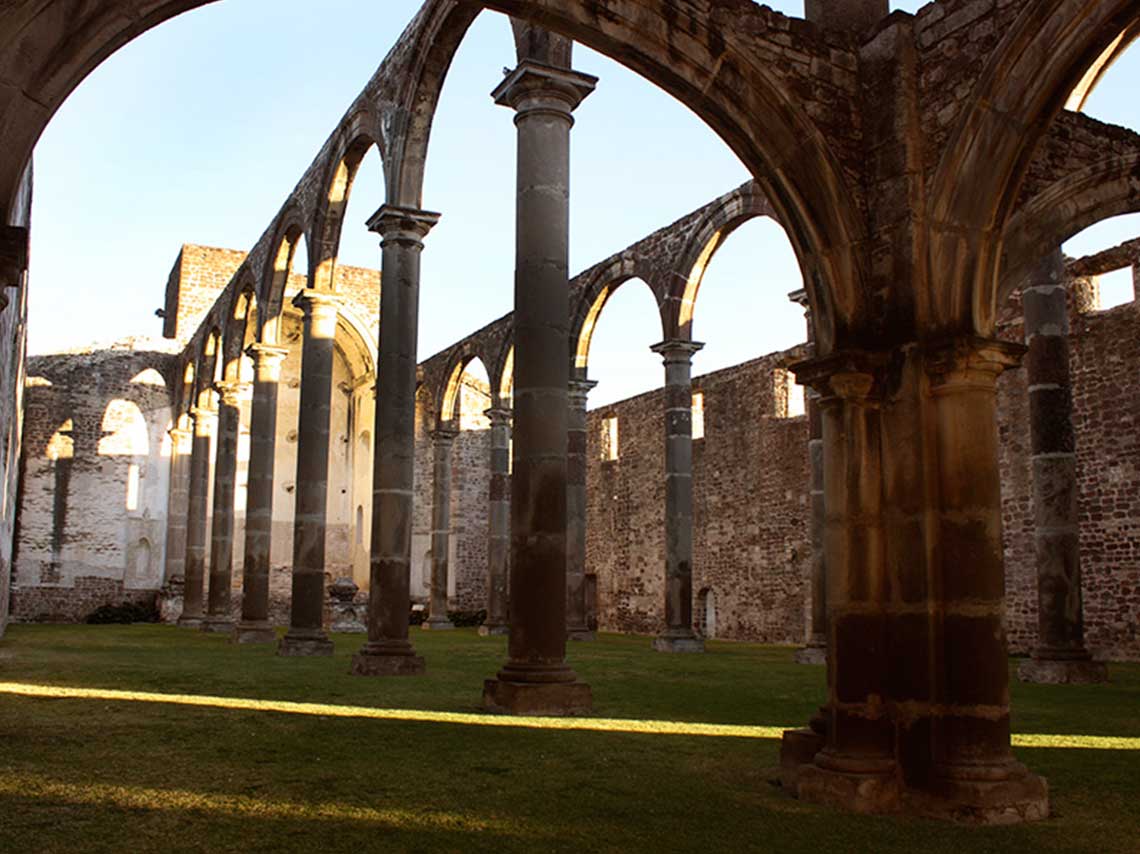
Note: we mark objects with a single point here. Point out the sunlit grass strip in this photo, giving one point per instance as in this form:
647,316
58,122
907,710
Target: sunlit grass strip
241,806
410,715
620,725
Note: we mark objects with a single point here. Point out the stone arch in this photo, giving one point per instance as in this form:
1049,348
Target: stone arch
354,138
785,151
1079,97
1066,208
502,375
240,330
448,399
287,236
714,229
1040,61
591,300
209,363
186,389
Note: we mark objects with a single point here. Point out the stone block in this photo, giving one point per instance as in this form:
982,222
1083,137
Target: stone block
1050,672
553,699
367,664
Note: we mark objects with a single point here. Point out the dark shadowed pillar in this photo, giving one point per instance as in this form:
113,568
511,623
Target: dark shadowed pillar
498,523
219,617
306,635
441,442
181,443
853,15
536,678
1060,656
254,626
388,650
816,650
577,611
678,635
204,422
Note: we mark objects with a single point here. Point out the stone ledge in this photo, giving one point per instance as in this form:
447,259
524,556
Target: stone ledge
553,699
254,633
668,644
295,647
1046,672
367,664
218,625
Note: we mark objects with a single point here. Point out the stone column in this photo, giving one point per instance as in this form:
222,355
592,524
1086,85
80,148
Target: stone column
973,768
536,678
181,443
219,617
816,650
306,635
498,523
254,626
576,606
195,567
388,650
1061,656
679,635
441,442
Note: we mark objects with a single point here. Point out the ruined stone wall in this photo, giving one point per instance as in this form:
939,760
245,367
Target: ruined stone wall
92,515
750,508
199,275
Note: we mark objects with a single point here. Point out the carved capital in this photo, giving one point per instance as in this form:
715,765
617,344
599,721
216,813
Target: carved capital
852,375
961,364
534,87
677,350
405,226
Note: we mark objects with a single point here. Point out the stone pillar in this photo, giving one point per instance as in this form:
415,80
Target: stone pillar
679,635
816,650
973,770
254,626
181,443
219,617
441,442
536,678
388,650
1061,656
306,635
195,567
498,523
577,627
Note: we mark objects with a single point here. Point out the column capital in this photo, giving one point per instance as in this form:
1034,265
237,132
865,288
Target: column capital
316,302
847,374
677,349
180,435
534,86
500,416
408,226
579,389
970,362
203,413
230,391
444,434
271,354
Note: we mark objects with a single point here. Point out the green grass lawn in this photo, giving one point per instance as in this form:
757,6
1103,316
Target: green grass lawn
83,775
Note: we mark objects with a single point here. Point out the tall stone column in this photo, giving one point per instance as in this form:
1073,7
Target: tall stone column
816,650
205,420
441,442
679,635
306,635
219,603
1061,656
498,523
576,606
973,767
536,678
181,443
254,626
388,650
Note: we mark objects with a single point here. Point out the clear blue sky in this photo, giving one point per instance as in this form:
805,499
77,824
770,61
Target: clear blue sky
196,133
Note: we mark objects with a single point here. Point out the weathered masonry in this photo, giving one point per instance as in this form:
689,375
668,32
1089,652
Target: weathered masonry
925,169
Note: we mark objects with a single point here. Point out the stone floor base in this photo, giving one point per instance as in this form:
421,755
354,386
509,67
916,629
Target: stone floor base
861,793
189,622
441,625
218,625
254,633
581,635
302,645
797,750
492,631
811,655
537,698
365,664
671,644
1023,797
1052,672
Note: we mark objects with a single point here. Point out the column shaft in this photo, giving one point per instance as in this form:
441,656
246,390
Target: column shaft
254,626
678,635
498,523
388,650
441,442
195,567
306,635
219,601
576,605
182,441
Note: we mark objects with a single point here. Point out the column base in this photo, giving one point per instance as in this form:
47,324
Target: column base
811,655
1020,798
218,625
437,624
553,699
798,748
259,632
491,631
581,635
367,663
678,643
189,622
296,644
857,790
1046,671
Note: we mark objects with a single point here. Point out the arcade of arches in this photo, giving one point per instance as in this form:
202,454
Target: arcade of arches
960,476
